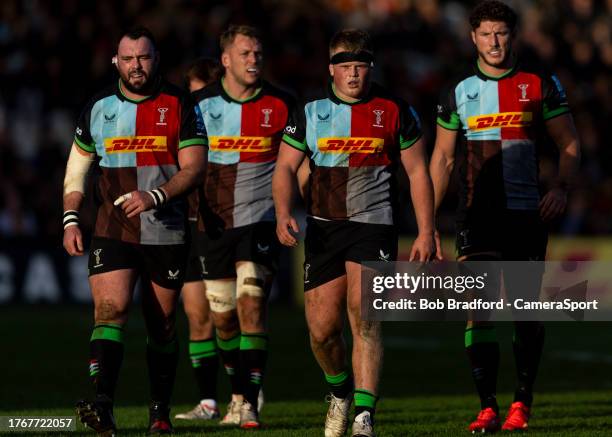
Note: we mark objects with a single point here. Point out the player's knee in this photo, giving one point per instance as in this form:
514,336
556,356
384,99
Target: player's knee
368,330
251,279
323,338
221,295
108,311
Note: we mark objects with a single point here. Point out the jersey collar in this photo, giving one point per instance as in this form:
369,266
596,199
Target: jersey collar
484,76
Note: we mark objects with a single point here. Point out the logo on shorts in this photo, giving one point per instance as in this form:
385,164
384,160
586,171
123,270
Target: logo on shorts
203,263
378,113
263,249
266,113
97,254
383,256
173,275
162,116
523,87
306,269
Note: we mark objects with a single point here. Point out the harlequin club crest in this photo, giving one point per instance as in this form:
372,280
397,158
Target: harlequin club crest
523,87
266,117
162,116
378,113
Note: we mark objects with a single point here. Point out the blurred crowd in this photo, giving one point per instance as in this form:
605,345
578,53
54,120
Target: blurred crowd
55,54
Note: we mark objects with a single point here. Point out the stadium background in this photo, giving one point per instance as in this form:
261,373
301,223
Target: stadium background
55,54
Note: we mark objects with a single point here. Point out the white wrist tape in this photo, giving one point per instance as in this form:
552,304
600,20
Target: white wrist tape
71,218
159,197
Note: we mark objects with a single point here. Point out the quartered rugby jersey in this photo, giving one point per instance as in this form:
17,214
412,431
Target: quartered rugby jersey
138,144
354,149
244,137
500,118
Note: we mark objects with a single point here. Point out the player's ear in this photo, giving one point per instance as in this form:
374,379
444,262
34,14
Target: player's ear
331,70
114,60
225,60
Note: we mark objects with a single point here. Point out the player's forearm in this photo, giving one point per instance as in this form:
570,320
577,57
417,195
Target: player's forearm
283,187
186,178
440,170
421,192
73,201
569,162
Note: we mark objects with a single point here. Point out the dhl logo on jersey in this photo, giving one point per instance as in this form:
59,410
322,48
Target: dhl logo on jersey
503,119
350,145
138,143
240,144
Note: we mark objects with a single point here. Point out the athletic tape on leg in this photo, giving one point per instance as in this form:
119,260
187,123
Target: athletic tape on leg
221,295
250,279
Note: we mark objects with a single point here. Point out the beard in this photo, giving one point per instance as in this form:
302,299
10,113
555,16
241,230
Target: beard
145,87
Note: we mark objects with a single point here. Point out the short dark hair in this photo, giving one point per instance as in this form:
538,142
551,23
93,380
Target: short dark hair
228,37
206,69
353,40
140,32
493,10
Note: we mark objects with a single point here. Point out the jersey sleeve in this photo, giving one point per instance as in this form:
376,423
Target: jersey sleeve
193,131
447,111
410,126
294,133
82,134
554,99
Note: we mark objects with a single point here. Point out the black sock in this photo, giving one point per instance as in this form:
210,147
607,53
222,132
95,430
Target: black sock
229,350
253,357
340,385
105,357
162,359
527,344
204,361
483,351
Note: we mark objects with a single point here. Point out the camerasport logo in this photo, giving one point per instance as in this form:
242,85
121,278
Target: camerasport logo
240,144
350,145
135,144
503,119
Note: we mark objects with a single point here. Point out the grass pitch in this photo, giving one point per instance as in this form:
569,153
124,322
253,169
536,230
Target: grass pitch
425,386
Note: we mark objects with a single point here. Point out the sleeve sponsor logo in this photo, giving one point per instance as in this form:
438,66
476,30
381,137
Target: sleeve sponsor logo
503,119
290,129
559,87
240,144
135,144
350,145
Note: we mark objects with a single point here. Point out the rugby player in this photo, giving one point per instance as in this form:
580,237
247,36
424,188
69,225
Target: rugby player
246,117
202,345
499,105
150,140
355,136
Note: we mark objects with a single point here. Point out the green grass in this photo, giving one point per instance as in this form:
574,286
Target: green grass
425,384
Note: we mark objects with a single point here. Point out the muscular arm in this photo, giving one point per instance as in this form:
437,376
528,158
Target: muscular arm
283,189
414,162
192,164
440,169
563,132
74,187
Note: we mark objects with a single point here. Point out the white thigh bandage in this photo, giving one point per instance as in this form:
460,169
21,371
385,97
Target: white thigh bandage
76,171
221,295
250,279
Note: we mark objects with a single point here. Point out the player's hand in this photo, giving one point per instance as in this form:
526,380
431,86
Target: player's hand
134,202
73,241
553,204
423,248
439,254
286,228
